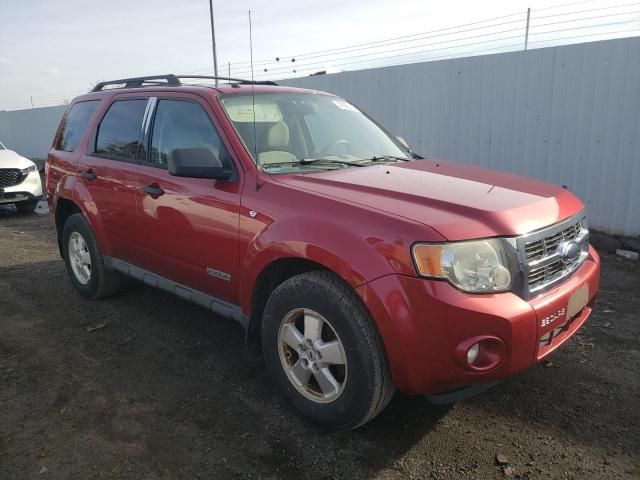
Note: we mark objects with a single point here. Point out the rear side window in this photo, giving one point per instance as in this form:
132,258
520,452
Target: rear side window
184,124
74,125
119,134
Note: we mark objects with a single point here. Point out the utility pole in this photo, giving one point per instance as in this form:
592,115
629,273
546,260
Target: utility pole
213,43
31,101
526,33
229,71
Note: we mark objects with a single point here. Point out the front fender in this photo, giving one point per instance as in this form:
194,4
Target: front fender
357,254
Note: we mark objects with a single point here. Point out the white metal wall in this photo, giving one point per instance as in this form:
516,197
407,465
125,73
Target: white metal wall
30,132
568,115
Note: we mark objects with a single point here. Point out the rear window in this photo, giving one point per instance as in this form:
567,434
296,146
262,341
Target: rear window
120,132
74,125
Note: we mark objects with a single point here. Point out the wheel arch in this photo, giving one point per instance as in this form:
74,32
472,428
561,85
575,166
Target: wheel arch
270,276
73,197
64,209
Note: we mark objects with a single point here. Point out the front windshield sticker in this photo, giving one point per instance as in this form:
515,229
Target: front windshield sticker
241,111
344,105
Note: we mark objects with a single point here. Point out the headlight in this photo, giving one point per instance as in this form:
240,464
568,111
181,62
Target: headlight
475,266
32,168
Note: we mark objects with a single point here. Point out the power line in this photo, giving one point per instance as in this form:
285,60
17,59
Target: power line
501,49
341,60
317,61
429,34
468,53
354,46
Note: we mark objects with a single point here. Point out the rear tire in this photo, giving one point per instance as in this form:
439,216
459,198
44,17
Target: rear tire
347,385
84,261
26,207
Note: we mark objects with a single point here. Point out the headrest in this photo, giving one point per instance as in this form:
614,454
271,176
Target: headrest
278,136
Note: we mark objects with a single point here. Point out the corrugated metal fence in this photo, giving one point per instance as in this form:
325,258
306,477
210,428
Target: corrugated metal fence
30,132
568,115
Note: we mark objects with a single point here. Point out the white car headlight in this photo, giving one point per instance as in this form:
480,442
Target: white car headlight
476,266
32,168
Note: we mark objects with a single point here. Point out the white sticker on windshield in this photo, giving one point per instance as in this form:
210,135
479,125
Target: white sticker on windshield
344,105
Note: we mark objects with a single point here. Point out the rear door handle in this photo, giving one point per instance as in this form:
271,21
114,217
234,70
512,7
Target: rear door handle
89,175
153,190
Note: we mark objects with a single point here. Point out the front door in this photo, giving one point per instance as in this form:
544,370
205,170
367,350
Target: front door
189,225
109,172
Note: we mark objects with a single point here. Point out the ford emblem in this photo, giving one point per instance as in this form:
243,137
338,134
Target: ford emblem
568,251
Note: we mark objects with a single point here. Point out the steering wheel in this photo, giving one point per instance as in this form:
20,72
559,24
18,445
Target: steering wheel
340,141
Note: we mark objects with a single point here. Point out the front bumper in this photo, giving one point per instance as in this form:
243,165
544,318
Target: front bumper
422,322
29,190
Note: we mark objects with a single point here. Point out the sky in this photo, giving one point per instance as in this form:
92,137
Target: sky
51,51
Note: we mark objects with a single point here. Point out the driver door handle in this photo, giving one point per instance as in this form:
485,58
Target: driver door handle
89,175
153,190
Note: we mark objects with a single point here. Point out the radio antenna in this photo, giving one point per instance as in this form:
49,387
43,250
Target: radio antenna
253,105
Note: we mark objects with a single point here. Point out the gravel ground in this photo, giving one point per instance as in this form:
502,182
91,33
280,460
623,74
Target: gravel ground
146,386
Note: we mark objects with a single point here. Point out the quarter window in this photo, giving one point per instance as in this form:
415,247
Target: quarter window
74,125
184,124
119,134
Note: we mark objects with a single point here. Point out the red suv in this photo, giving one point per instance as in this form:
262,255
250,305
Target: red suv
361,266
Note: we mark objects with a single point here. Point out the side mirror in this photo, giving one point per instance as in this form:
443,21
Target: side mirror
403,142
196,162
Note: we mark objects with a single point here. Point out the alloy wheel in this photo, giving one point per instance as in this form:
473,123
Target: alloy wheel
79,258
312,355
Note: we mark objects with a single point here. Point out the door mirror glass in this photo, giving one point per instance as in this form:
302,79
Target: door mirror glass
196,162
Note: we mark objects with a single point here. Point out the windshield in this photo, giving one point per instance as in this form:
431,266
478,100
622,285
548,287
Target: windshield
300,131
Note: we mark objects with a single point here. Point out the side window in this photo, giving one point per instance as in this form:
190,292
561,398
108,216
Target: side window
119,133
74,125
184,124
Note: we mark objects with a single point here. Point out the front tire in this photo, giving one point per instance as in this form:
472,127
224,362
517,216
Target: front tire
324,351
84,261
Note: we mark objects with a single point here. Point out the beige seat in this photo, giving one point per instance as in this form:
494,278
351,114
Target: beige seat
277,139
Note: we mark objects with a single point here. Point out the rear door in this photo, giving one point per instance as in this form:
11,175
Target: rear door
189,225
109,171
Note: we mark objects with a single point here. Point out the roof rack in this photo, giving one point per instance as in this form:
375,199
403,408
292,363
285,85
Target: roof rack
230,79
170,80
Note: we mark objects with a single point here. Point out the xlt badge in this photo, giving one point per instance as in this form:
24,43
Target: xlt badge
218,274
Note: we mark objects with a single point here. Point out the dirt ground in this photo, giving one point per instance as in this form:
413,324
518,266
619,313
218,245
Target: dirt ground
146,386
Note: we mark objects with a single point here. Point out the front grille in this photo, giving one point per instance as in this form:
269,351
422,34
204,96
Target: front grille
543,265
539,248
10,177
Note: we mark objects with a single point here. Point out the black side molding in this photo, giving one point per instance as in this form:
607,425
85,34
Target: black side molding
216,305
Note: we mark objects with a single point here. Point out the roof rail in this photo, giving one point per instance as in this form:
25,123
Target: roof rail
171,80
229,79
168,80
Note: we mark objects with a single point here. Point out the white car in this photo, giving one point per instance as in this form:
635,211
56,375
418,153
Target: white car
20,182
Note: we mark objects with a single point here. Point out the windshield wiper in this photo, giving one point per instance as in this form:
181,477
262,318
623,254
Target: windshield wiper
307,161
310,161
382,158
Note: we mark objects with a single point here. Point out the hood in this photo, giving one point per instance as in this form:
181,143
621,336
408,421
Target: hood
459,201
10,159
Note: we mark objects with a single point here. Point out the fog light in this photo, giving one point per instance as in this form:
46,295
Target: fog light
472,353
480,353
